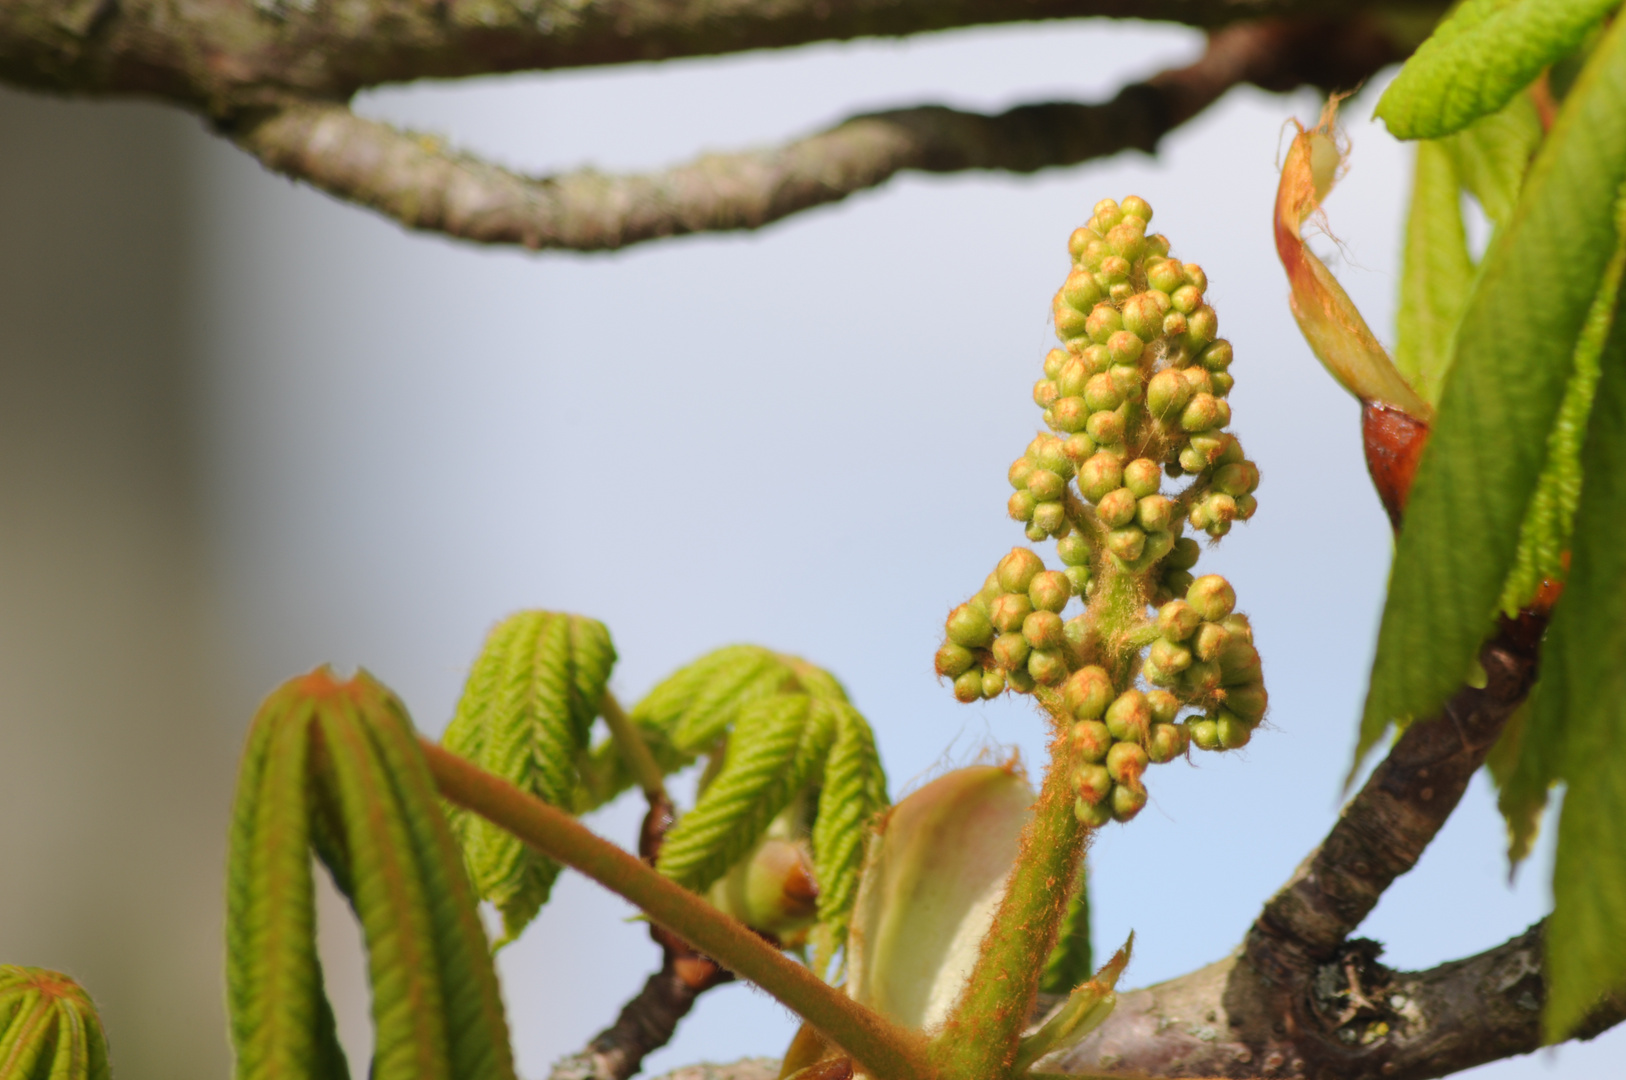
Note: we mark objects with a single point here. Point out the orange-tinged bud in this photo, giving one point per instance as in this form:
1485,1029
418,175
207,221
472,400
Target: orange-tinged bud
1087,692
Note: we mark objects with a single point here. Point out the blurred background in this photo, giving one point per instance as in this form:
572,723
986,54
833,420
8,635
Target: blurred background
245,430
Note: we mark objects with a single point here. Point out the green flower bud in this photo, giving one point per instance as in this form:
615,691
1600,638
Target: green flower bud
1116,508
1044,393
1043,631
1049,591
1108,213
1045,485
1165,743
1248,701
1204,734
1177,582
954,660
1246,507
1091,740
1074,550
1167,393
1239,626
1047,666
1129,717
1209,640
1068,414
1049,518
968,627
1076,630
1174,325
1021,505
1202,413
1092,783
1200,679
1136,207
1070,322
1081,291
1100,474
1045,451
1170,657
1199,517
1177,620
1048,418
1191,461
1127,239
1202,326
1019,472
1009,612
1238,479
1095,253
1126,762
1222,383
1127,543
1127,802
1143,318
968,687
1128,379
1011,651
1157,676
1155,514
1079,578
1087,692
1221,508
993,683
1157,246
1218,528
1198,380
1101,392
1185,554
1164,705
1240,662
1103,322
1165,275
1037,533
1187,299
1096,359
1217,356
1195,275
1142,477
1070,380
1105,427
1080,237
1092,815
1078,448
1211,596
991,590
1019,680
1233,731
1053,362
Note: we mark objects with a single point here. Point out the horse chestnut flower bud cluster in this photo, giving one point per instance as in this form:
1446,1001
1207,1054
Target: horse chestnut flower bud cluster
1205,658
1011,634
1114,736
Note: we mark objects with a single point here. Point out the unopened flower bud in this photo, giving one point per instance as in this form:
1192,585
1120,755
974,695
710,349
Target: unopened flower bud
1187,299
954,660
1165,275
1071,376
1090,740
1221,508
1044,393
1164,705
1047,666
1080,237
1240,662
1087,692
1155,514
1020,505
1238,479
968,627
1101,392
1043,630
1204,734
1045,485
1081,291
1217,356
1070,322
1198,380
1077,631
1234,732
1008,612
1068,414
1202,413
1126,762
1091,782
1170,657
1191,461
1125,347
1019,472
1019,680
1157,246
1137,207
1195,275
1177,620
1209,640
1127,238
1199,517
1239,626
1165,743
1079,578
1049,518
1116,508
1078,448
1202,326
1074,550
1096,359
1092,815
1106,428
1103,322
1222,383
1184,554
1246,507
1126,802
1129,717
1211,596
1200,679
1177,582
1143,317
1127,543
1045,451
1174,325
1100,474
968,687
1037,533
1011,651
991,590
1167,393
1049,591
1108,213
1142,477
993,683
1129,380
1248,701
1156,675
1054,360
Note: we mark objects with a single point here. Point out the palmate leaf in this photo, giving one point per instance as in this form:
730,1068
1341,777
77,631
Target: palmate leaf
339,761
1482,54
49,1029
1492,155
525,715
1513,357
853,793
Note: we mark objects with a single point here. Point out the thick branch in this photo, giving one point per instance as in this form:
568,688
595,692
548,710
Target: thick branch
419,182
646,1024
221,55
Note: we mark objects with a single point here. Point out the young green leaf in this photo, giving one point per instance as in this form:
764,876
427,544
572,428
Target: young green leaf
1436,273
49,1029
1521,793
1482,54
1492,155
1580,717
1071,961
1514,355
854,792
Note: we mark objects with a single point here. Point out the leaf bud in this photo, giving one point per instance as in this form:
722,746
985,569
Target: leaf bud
1202,413
1166,742
1081,291
1021,505
1248,701
954,660
1155,514
968,687
1185,554
1239,478
1174,325
1049,519
1129,717
1079,578
1169,656
1102,392
1070,322
1049,591
1217,356
1164,705
1157,246
1008,612
1209,640
1019,680
1200,679
1234,732
1103,322
1078,448
1074,550
1045,485
993,683
1011,651
1240,662
1092,815
1192,461
1127,543
1080,237
1043,630
1195,275
1048,666
1087,692
1129,381
1126,762
1204,734
1092,782
1100,474
1090,740
1201,327
1142,477
1116,508
1177,620
1054,360
1126,802
1167,393
1211,596
1143,317
1106,427
1239,626
969,627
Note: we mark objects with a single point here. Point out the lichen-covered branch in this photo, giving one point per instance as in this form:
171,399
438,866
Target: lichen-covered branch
423,184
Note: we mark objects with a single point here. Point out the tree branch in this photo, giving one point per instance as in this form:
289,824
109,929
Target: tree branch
419,182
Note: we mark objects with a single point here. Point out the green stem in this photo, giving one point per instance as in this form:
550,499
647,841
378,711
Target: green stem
885,1051
634,750
979,1041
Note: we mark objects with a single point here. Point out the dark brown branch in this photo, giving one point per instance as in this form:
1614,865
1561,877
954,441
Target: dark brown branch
646,1023
218,56
417,181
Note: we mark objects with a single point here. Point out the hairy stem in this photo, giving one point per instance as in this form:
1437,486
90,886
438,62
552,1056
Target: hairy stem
634,751
886,1051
